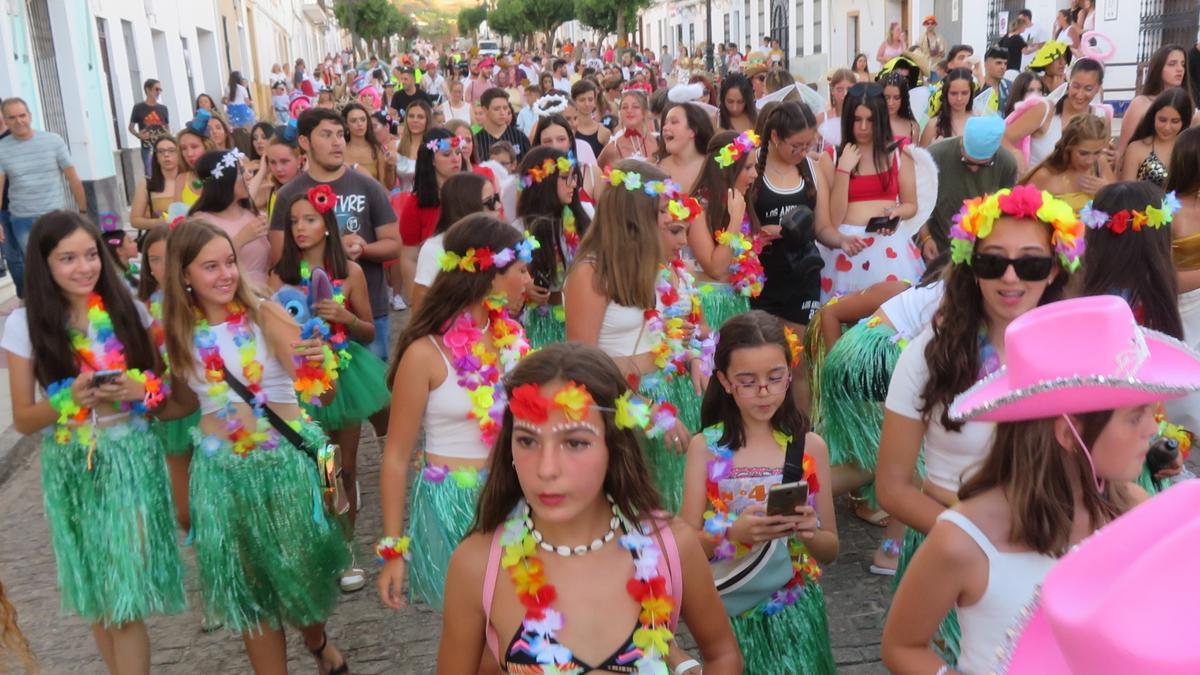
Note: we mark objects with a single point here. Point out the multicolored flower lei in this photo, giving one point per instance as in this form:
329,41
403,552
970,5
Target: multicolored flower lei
795,348
463,477
479,368
654,418
570,234
542,622
527,403
1182,437
391,548
978,215
548,168
680,304
746,273
1153,217
244,440
731,153
483,259
719,518
444,144
681,206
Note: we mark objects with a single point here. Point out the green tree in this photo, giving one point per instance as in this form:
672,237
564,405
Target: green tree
469,19
548,15
373,22
609,16
510,17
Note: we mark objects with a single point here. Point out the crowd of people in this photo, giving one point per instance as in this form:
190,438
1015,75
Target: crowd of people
659,318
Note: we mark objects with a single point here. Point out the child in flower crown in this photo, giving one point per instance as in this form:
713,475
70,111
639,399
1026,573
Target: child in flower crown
311,241
456,348
751,421
579,568
107,497
548,205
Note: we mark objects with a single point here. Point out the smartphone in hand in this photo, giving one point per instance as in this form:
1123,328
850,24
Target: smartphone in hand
783,499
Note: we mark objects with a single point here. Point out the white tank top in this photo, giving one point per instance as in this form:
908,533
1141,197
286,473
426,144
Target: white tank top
276,383
1013,578
621,329
449,431
911,310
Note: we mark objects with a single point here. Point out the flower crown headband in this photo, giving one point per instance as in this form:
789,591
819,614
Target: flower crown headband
230,160
444,144
631,411
978,215
483,259
322,198
1153,217
682,207
547,168
731,153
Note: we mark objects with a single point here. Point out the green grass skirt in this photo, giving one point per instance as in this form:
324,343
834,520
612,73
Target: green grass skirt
853,383
439,514
544,325
793,642
176,435
949,634
113,528
720,303
667,466
266,550
358,393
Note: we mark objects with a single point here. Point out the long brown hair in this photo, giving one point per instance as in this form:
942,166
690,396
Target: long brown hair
1081,129
952,355
1033,469
179,312
12,640
455,291
627,478
147,284
335,262
623,241
715,183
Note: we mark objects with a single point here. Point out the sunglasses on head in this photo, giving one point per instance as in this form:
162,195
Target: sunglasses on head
1028,267
866,89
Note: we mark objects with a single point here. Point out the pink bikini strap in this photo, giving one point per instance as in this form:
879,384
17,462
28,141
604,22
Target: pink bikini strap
489,590
675,573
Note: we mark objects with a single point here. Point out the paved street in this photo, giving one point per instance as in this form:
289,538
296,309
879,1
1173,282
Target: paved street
376,639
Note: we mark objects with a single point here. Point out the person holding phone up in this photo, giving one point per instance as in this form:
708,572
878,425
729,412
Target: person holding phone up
874,189
1079,165
756,490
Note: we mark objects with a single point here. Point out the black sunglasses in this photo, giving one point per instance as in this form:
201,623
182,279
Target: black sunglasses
866,89
1028,267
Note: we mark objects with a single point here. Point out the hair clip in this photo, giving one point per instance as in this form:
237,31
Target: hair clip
731,153
322,198
483,259
1153,217
444,144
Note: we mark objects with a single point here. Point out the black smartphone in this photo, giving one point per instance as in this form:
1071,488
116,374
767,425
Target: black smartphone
783,499
102,377
542,279
883,224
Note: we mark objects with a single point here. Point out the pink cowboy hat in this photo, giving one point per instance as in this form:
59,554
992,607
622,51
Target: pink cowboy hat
1125,600
1079,355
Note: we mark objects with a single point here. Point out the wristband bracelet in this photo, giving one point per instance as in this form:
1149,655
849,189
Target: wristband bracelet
685,666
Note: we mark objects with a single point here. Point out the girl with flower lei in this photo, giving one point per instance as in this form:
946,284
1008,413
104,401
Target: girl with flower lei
750,420
727,247
107,497
567,511
549,206
683,143
253,493
610,293
175,434
311,240
453,353
1011,251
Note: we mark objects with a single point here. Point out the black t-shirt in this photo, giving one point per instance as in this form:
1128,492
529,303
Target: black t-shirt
153,117
362,207
793,268
484,141
401,99
1014,44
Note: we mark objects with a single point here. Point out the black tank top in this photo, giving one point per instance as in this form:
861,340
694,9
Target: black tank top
592,140
792,290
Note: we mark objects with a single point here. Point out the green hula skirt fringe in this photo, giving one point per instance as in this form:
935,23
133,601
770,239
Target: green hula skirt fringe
358,393
666,465
266,550
113,528
176,435
720,303
1146,481
440,511
793,642
946,640
545,325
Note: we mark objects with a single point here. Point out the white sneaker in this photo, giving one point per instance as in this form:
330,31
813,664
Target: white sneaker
398,303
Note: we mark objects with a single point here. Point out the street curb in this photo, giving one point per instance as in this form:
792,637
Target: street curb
15,450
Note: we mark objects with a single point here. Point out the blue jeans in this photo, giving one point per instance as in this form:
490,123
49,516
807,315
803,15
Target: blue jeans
381,344
16,239
146,154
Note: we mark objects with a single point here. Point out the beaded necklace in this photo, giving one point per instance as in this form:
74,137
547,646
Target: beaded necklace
244,440
542,622
719,517
478,368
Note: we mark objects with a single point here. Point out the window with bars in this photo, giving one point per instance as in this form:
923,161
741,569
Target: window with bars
1165,22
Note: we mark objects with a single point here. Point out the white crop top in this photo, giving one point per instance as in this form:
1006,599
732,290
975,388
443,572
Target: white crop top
449,429
1012,580
950,457
622,330
911,310
276,383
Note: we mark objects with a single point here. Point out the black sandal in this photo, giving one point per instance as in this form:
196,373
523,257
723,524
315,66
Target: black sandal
343,669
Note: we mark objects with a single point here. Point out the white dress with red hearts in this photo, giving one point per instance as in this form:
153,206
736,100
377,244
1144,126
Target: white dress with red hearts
885,258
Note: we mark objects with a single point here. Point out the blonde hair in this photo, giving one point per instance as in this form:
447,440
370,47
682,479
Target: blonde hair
12,639
622,242
1081,129
179,312
837,77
